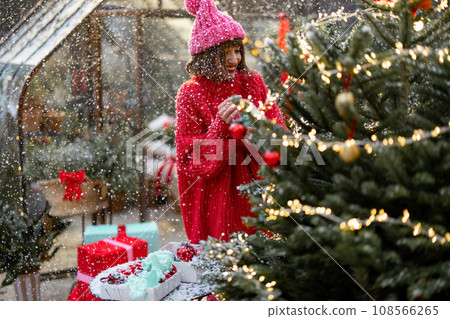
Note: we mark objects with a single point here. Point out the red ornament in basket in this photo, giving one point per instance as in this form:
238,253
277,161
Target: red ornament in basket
185,252
133,268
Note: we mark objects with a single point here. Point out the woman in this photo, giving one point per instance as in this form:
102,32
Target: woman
210,201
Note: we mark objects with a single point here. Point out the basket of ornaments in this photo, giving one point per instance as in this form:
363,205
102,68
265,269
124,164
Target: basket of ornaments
184,254
146,279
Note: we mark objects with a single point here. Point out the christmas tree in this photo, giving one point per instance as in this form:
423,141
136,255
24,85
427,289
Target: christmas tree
355,201
25,243
26,240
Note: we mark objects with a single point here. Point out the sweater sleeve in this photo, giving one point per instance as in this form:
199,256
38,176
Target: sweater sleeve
201,150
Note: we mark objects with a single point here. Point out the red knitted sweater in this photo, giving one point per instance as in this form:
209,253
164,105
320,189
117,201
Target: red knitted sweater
210,202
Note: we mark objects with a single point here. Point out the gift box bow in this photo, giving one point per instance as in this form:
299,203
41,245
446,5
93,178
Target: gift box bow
73,180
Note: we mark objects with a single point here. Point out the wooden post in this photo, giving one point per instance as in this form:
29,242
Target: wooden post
98,93
21,138
139,74
98,96
140,111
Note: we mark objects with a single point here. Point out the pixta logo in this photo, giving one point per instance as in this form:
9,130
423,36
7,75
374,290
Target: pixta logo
205,150
145,146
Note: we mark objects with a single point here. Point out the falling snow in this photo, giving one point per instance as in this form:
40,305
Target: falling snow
86,73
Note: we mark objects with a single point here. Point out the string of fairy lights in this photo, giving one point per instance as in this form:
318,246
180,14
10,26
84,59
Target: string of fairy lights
413,53
225,250
295,206
370,146
340,15
354,223
372,60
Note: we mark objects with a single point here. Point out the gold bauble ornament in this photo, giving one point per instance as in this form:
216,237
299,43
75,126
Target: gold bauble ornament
344,103
349,153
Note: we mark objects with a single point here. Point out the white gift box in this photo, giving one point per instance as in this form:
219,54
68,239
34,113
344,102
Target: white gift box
122,292
188,273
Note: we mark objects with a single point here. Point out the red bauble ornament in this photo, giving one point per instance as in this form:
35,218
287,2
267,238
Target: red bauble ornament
238,130
186,252
114,279
272,158
171,273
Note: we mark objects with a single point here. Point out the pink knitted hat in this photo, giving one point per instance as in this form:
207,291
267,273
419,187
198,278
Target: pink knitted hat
211,26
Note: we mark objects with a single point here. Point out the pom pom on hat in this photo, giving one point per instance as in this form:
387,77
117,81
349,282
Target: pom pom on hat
192,6
211,27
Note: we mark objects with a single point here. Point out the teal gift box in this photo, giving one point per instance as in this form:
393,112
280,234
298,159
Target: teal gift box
144,231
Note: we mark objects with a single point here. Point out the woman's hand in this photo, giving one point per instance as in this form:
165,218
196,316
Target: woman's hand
227,111
250,131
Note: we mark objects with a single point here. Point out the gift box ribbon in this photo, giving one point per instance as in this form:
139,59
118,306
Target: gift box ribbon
128,248
122,230
73,180
84,278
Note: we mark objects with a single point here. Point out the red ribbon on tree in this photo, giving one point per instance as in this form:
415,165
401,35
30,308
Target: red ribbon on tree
73,180
350,130
424,5
283,30
346,80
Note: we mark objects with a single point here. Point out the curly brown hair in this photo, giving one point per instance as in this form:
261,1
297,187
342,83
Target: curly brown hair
211,62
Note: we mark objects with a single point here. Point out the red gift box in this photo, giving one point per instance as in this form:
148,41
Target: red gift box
103,254
87,296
